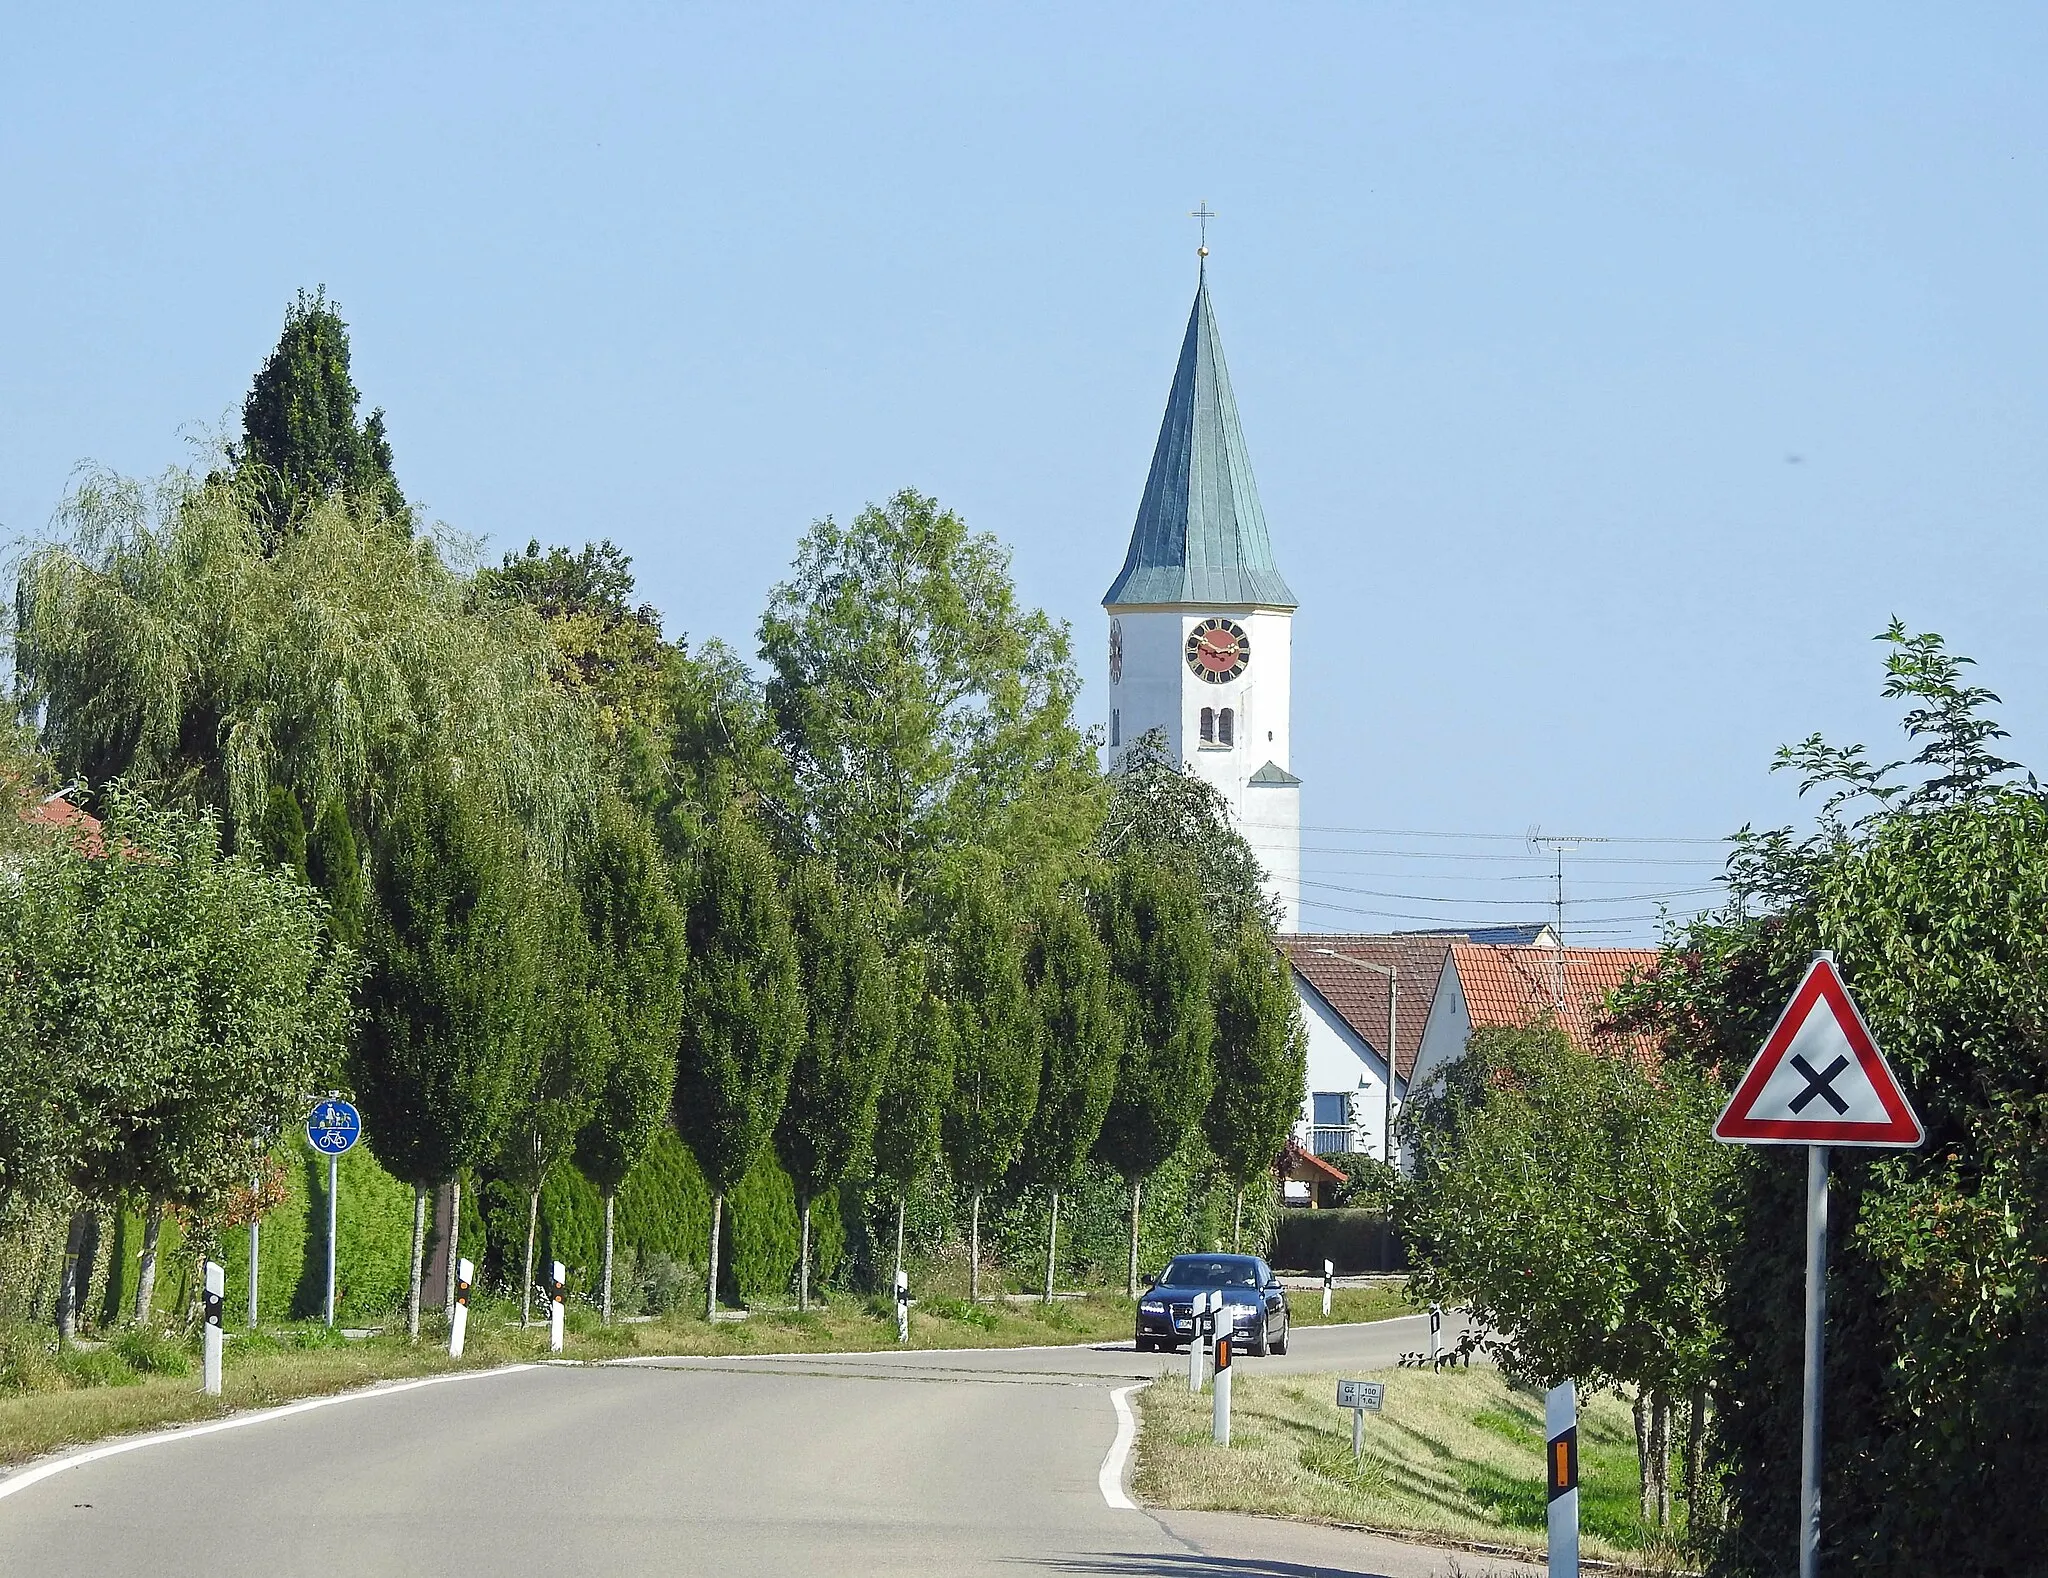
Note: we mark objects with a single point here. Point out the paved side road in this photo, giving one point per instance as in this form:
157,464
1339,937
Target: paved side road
973,1463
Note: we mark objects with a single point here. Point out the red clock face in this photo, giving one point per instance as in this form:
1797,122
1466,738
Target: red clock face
1218,650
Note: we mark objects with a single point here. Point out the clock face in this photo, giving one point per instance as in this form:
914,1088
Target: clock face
1218,650
1116,652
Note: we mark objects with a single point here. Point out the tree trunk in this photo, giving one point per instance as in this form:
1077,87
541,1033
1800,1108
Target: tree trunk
711,1275
899,1241
454,1240
1695,1457
1052,1241
1237,1225
67,1281
1131,1282
145,1281
419,1261
974,1250
1660,1444
1644,1450
532,1228
803,1260
610,1200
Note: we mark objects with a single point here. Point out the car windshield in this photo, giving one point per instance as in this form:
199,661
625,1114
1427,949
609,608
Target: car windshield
1201,1271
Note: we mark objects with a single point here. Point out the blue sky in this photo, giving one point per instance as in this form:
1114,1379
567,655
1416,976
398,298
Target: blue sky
1611,372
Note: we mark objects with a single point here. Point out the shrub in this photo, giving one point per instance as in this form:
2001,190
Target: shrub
147,1350
1351,1240
96,1367
28,1361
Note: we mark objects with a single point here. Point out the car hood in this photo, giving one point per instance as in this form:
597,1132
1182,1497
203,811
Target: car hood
1175,1294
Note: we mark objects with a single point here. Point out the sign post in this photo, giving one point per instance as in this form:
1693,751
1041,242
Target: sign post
1561,1472
458,1318
1329,1281
1359,1397
1820,1082
903,1306
1219,1413
332,1129
557,1292
216,1292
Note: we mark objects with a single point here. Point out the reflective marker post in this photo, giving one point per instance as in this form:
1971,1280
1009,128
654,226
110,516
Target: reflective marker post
458,1318
216,1291
903,1306
1561,1472
1329,1281
557,1273
1436,1336
1198,1339
1219,1416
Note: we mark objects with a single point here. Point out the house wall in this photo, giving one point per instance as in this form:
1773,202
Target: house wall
1339,1059
1447,1029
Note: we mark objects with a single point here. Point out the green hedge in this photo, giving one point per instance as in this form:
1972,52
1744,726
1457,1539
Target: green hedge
1351,1240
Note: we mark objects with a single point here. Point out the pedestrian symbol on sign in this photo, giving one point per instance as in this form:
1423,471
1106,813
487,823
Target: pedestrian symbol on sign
334,1127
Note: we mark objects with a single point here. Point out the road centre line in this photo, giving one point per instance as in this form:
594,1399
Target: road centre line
1111,1480
21,1479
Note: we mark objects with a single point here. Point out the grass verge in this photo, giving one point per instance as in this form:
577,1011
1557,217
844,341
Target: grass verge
50,1401
1456,1455
1349,1304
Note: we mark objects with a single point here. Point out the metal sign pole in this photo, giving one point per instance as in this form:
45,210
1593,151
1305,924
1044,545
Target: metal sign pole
333,1184
1816,1340
255,1248
557,1293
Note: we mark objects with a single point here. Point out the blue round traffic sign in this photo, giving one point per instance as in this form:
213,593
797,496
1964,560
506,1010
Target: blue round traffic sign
334,1126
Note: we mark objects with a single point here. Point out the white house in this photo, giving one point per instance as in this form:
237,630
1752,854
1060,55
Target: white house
1201,642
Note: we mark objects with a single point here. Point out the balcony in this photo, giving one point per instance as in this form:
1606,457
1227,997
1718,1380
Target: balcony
1332,1139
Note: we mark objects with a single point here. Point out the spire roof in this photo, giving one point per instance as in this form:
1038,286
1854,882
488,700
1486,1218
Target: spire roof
1201,536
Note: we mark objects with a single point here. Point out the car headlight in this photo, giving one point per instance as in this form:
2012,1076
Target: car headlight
1153,1308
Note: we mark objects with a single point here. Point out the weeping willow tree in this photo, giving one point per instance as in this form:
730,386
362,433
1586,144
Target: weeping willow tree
163,637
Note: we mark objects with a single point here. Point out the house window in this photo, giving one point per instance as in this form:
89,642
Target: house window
1116,726
1330,1122
1226,727
1208,725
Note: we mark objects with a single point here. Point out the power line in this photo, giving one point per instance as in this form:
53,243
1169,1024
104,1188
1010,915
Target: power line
1514,838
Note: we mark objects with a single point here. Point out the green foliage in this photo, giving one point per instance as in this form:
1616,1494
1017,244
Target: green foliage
917,1085
995,1041
849,1034
922,713
1351,1240
301,440
1161,811
1371,1183
743,1012
372,1264
1067,969
149,1351
281,835
446,1046
334,866
1159,953
1261,1056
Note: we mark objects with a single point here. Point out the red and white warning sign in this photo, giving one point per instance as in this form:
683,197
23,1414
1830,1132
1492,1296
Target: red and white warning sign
1820,1079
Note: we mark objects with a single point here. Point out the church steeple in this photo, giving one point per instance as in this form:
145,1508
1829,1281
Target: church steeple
1201,537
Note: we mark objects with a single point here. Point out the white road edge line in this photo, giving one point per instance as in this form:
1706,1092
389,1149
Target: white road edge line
23,1478
1111,1480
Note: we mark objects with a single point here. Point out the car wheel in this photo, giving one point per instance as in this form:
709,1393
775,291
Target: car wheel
1280,1342
1262,1346
1145,1345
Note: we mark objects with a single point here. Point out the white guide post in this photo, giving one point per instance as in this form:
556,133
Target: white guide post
556,1273
1329,1282
1198,1339
1219,1414
1436,1336
903,1306
216,1291
1561,1471
458,1317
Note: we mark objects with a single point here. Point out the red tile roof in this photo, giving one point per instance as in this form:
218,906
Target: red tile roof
1294,1161
1359,996
56,811
1506,987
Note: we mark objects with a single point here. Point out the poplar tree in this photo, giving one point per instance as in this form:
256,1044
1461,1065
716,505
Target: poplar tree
1261,1062
334,865
282,832
743,1014
446,1046
636,982
1067,968
1158,939
995,1051
849,1032
915,1088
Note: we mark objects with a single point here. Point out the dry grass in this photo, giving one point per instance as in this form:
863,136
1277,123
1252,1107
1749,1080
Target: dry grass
1456,1454
272,1369
1349,1304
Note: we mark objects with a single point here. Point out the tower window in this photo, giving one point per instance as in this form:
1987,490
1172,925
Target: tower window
1208,725
1116,726
1226,727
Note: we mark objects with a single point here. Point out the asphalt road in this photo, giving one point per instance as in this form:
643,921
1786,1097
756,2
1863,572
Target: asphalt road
963,1463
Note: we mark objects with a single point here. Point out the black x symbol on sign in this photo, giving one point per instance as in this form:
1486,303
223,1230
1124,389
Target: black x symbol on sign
1820,1084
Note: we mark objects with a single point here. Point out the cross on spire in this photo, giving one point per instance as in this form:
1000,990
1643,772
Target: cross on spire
1203,214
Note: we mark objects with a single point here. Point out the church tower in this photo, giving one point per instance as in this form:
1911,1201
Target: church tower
1200,621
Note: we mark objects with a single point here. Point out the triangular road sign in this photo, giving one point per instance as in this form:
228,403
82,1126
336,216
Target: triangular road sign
1820,1079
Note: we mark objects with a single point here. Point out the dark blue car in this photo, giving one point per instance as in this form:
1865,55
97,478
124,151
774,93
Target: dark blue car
1253,1303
